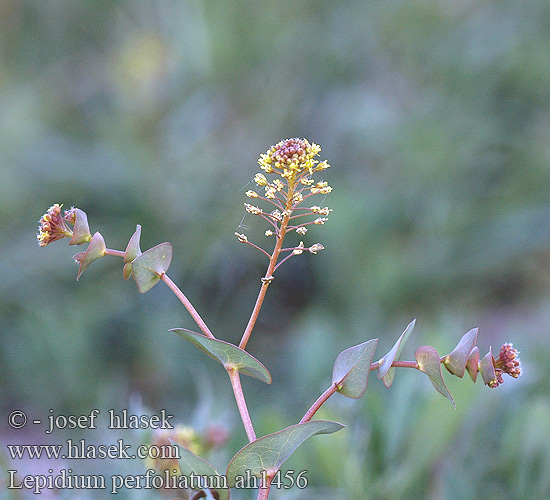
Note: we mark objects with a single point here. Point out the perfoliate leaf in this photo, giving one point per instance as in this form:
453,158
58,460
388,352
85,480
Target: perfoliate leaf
472,364
487,368
148,268
456,361
268,453
190,463
81,231
229,355
385,370
96,249
352,367
132,249
429,363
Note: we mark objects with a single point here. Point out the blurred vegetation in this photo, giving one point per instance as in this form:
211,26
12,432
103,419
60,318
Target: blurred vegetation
435,118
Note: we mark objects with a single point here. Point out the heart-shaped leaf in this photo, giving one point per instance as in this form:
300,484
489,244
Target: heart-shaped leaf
96,249
385,370
190,463
229,355
429,363
268,453
148,268
81,231
352,367
473,363
456,361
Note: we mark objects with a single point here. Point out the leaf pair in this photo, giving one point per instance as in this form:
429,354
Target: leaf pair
148,267
461,358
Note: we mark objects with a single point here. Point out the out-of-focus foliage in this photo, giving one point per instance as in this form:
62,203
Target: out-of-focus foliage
435,118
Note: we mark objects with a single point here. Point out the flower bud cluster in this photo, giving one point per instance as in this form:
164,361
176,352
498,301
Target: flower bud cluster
507,362
53,226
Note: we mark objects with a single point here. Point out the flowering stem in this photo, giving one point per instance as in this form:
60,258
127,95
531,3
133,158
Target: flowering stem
241,403
268,276
185,301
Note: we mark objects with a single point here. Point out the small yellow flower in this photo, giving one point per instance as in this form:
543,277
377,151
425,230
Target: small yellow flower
276,214
297,198
252,209
251,194
316,248
242,237
299,249
260,179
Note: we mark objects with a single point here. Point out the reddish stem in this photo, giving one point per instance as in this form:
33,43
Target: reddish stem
116,253
320,401
397,364
241,403
268,275
185,301
263,491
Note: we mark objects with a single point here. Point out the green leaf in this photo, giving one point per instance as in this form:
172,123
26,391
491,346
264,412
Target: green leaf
148,268
132,249
229,355
96,249
81,231
192,464
429,363
352,367
456,361
268,453
385,370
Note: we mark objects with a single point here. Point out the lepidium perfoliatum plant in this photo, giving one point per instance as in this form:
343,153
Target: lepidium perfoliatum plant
284,198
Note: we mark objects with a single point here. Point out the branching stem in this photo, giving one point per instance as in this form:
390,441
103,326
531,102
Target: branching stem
268,275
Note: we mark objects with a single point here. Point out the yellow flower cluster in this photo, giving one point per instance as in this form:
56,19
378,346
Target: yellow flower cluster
292,157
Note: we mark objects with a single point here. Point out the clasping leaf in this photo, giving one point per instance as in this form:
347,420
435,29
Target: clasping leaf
352,367
268,453
229,355
429,363
385,370
148,268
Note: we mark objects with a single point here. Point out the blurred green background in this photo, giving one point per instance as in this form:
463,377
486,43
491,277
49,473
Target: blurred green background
435,118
